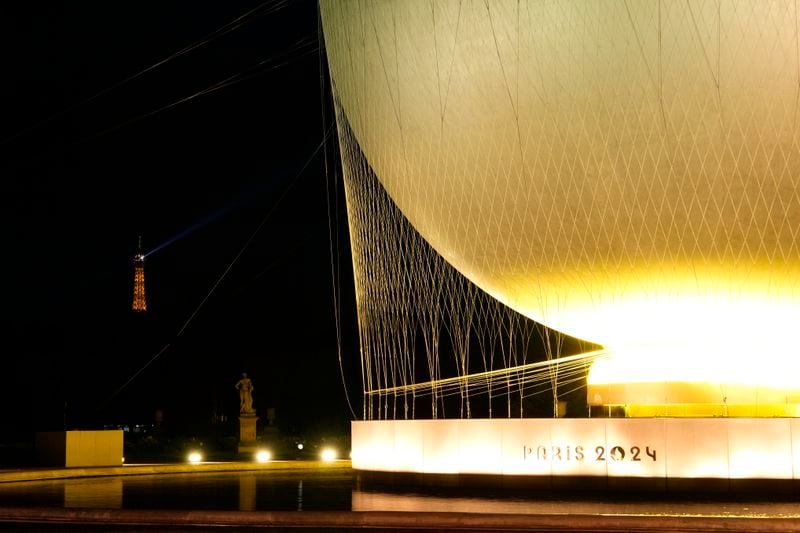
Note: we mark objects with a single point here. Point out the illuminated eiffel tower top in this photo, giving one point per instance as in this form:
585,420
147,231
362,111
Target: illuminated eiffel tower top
139,301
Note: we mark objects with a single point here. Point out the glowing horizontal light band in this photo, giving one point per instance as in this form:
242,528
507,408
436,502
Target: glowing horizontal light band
717,448
738,361
483,376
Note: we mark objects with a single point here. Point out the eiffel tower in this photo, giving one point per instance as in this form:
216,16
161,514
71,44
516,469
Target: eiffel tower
139,302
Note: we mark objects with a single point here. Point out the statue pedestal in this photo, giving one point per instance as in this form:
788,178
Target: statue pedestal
247,433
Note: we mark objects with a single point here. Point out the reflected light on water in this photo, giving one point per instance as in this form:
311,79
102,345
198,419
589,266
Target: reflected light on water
591,505
340,490
300,495
247,492
104,493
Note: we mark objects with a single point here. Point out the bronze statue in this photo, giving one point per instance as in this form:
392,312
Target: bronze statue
245,387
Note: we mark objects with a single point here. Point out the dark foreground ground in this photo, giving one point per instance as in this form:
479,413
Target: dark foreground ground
31,519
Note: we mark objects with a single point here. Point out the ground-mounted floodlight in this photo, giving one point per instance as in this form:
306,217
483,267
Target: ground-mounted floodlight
263,456
195,457
328,454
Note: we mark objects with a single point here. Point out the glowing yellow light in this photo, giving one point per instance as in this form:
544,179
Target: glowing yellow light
263,456
742,376
735,362
679,249
714,342
195,457
328,455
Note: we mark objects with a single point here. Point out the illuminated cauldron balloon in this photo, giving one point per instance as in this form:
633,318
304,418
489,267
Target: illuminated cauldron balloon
624,172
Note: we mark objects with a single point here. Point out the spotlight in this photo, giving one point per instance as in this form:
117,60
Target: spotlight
299,445
263,456
195,457
328,455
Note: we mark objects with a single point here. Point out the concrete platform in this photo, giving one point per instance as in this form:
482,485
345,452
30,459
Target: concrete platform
627,453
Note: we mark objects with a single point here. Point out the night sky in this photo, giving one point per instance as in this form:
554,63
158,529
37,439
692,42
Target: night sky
91,161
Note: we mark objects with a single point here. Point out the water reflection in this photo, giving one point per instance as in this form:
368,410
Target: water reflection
247,492
300,495
294,490
337,490
103,493
591,504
